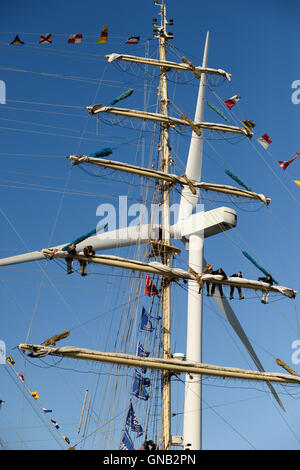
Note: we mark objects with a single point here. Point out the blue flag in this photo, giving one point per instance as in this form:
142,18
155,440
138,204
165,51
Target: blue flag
126,443
133,423
146,324
141,351
45,410
139,386
55,424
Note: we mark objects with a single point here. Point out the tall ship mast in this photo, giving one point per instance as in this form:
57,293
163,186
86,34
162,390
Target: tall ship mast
164,240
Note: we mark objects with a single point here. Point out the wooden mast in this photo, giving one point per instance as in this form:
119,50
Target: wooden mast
161,34
171,365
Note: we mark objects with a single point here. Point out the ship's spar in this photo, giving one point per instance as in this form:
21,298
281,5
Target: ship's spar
192,229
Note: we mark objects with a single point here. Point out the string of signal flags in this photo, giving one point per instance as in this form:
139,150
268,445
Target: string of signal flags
75,38
264,140
36,397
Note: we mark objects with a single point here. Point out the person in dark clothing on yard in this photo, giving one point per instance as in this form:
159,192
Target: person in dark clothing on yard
269,280
220,272
239,274
207,270
71,250
87,251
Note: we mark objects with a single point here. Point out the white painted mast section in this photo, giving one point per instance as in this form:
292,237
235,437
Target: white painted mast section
192,431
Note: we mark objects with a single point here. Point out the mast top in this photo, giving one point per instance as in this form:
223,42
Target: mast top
160,31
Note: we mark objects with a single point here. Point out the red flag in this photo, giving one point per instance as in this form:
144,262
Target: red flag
284,164
75,39
21,377
150,288
232,101
265,141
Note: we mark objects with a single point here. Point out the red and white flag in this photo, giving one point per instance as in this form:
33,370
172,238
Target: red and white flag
285,164
133,40
265,141
232,101
75,39
46,39
150,288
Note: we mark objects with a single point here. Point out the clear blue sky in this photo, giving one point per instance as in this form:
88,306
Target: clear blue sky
45,202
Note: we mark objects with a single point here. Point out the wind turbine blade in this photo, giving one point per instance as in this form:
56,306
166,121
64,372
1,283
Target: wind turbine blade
103,241
238,329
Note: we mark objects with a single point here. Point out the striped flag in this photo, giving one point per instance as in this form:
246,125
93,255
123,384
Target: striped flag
103,36
10,360
249,125
284,164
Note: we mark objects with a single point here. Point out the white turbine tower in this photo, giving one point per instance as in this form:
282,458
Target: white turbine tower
195,245
193,388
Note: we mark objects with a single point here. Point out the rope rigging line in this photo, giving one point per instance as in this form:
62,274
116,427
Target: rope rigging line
212,408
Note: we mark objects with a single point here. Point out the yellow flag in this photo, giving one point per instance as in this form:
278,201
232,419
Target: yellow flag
103,37
297,182
10,361
16,41
66,439
249,125
35,395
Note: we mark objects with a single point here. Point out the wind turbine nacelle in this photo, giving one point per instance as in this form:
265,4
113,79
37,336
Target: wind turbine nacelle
209,223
